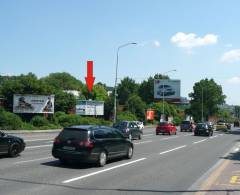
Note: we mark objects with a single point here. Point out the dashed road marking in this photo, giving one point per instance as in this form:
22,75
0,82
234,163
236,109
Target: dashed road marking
142,142
38,159
199,141
41,146
177,148
102,171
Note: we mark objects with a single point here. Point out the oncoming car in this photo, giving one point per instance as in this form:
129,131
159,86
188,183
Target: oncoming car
11,145
166,128
91,144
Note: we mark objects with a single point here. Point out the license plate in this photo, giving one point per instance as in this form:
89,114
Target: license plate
68,148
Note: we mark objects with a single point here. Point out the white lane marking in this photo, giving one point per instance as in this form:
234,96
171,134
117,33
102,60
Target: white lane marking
221,134
102,171
34,140
142,142
188,135
147,135
41,146
214,136
177,148
199,141
26,161
170,138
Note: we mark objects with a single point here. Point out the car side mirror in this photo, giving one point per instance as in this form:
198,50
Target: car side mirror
2,134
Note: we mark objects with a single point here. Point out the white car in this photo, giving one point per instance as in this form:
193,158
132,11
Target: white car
139,124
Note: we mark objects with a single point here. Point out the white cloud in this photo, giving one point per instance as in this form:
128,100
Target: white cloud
156,43
231,56
228,45
192,40
234,80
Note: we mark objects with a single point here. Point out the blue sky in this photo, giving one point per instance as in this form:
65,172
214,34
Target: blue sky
198,38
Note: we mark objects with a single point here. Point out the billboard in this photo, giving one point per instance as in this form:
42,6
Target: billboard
166,89
90,108
150,114
33,103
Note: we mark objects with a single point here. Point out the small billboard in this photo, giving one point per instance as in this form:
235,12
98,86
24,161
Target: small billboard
90,108
166,89
33,103
150,115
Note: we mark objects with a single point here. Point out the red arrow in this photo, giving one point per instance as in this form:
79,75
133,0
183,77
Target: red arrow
89,79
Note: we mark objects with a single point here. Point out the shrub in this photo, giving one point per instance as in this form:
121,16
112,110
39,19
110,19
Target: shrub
177,120
39,121
126,116
10,121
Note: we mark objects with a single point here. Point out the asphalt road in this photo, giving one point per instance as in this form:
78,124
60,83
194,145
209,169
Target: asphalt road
161,165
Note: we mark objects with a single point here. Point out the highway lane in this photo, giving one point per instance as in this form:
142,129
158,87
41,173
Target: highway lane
160,164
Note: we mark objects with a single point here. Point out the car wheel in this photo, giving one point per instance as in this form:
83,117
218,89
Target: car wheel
175,133
14,150
156,133
169,133
129,152
130,136
140,136
102,159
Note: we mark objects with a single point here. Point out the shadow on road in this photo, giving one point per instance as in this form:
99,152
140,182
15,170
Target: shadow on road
75,165
144,191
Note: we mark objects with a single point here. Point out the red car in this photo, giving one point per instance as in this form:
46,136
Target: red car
166,127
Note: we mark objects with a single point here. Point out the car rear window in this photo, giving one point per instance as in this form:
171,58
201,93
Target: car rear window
186,122
201,126
163,123
121,125
77,134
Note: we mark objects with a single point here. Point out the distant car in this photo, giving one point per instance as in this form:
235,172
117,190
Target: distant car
139,124
166,128
129,129
210,124
165,90
236,123
203,129
187,126
91,144
11,145
221,126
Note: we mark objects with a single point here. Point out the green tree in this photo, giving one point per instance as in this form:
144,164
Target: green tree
126,88
98,93
64,102
128,116
208,92
23,84
63,81
146,88
136,106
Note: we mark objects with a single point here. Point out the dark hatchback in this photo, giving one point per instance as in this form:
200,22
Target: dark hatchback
129,129
11,145
91,144
203,129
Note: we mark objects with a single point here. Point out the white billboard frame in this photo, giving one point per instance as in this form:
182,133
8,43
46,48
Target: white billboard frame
90,108
168,89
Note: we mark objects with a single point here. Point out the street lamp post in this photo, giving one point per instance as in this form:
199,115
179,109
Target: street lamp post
202,104
116,75
163,99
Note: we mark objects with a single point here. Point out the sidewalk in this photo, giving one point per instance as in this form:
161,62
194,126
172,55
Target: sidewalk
47,131
224,179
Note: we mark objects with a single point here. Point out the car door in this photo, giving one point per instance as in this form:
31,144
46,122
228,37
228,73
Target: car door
3,143
133,129
105,139
120,142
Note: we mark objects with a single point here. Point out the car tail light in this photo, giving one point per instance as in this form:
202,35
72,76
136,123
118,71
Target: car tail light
56,140
87,144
